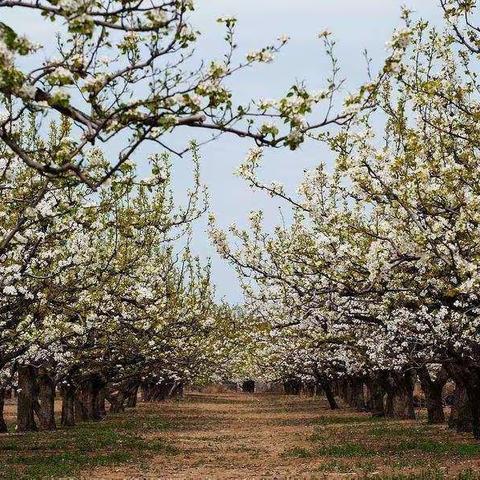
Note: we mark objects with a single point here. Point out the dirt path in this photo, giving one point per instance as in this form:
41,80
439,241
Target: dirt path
239,437
231,437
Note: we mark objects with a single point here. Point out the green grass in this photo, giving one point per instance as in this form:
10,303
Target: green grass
345,450
434,475
64,453
376,448
298,452
348,419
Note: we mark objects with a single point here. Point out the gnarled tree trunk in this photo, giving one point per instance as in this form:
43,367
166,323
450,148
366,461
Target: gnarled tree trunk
132,397
355,394
376,396
460,417
399,403
466,406
3,424
27,398
89,401
68,405
45,405
325,384
292,386
433,388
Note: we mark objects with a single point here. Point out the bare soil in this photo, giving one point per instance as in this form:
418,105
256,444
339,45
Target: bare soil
236,436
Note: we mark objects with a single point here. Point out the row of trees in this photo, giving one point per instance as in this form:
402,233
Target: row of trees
375,281
99,292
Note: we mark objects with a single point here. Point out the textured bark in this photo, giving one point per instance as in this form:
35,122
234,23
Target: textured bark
89,401
160,391
117,402
125,395
466,408
474,397
27,398
177,390
68,406
44,407
80,403
132,397
3,424
376,396
343,390
292,386
327,389
355,394
399,403
433,388
460,417
101,408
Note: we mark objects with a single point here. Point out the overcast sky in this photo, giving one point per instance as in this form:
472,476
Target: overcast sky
356,25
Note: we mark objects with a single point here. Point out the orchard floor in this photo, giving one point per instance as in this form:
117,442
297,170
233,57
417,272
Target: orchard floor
235,436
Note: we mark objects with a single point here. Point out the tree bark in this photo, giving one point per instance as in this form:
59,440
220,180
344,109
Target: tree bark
117,402
27,397
292,386
465,414
101,409
3,424
45,406
325,384
376,396
399,402
433,388
132,397
68,406
474,397
355,394
460,417
89,401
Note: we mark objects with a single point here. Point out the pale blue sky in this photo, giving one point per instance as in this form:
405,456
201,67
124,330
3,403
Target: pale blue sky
356,25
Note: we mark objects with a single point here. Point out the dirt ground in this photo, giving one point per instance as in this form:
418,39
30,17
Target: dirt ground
234,436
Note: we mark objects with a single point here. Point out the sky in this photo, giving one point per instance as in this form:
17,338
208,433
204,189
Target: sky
355,24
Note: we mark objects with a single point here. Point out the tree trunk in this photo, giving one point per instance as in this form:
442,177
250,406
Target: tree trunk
117,402
89,403
460,417
3,424
68,406
26,399
355,394
399,402
465,414
474,397
45,406
376,395
292,386
326,387
101,409
81,412
132,397
433,394
248,386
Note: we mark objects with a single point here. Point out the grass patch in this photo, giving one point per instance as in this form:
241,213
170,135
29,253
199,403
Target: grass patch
345,450
298,452
66,452
348,419
468,474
